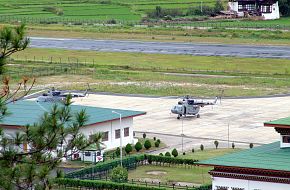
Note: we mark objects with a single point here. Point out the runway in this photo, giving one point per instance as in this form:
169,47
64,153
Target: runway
197,49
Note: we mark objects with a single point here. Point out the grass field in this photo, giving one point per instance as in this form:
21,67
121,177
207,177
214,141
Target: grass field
193,175
85,10
137,73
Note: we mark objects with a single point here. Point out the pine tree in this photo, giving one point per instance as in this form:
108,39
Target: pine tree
31,168
12,40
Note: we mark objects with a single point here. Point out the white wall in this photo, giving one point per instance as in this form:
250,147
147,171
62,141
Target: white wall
111,127
101,127
275,13
233,6
247,185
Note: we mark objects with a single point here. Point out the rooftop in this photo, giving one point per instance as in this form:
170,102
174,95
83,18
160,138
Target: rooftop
283,123
268,157
29,112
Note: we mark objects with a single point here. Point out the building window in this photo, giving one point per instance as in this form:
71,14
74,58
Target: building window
87,153
117,134
286,139
246,7
221,188
105,136
126,132
266,8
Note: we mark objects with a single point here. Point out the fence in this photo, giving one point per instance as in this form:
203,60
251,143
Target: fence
224,24
102,170
47,66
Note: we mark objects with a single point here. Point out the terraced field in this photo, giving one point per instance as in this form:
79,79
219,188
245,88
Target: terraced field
126,10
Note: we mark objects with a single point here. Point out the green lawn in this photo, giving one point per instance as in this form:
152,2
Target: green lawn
137,73
174,63
193,175
208,153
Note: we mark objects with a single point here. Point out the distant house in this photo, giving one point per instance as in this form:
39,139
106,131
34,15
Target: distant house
266,167
268,9
100,120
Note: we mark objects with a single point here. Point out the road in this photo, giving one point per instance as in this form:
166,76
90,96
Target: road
199,49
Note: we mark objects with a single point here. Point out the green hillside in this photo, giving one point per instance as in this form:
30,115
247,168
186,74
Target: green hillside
132,10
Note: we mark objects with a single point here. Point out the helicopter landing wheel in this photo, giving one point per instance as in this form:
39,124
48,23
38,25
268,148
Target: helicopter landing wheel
178,117
198,116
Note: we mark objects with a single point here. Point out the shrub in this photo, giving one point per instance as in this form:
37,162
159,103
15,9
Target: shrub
174,152
161,154
233,146
128,148
118,152
251,145
138,146
166,14
216,144
154,138
169,160
147,144
59,173
168,154
119,174
144,135
157,144
183,153
201,147
111,21
218,7
158,140
192,150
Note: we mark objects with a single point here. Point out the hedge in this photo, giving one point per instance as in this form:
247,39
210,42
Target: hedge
169,160
107,165
100,185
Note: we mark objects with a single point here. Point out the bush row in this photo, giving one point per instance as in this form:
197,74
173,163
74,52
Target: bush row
98,184
169,160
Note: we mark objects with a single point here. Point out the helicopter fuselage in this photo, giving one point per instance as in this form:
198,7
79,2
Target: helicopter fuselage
185,109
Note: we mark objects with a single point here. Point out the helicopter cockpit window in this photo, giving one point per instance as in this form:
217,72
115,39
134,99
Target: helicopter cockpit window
190,102
55,93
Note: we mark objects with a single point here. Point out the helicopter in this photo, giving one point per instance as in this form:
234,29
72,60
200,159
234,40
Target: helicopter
54,95
190,106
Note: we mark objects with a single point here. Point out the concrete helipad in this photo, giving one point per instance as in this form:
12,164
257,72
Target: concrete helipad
244,117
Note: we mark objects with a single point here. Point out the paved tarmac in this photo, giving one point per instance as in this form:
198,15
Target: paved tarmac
199,49
243,117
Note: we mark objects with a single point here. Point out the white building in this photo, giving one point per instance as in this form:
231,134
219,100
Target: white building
268,9
100,120
266,167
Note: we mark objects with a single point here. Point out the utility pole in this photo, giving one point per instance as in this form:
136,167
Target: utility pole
182,134
201,7
228,135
